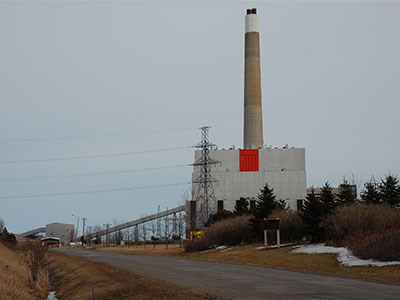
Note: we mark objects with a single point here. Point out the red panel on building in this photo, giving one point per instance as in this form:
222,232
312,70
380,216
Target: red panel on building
249,160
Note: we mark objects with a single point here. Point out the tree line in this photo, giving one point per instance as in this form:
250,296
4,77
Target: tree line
317,206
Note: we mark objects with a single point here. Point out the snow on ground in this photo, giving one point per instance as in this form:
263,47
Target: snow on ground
223,247
345,257
273,246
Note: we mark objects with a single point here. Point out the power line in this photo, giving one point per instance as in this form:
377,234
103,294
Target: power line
94,136
91,156
93,191
88,174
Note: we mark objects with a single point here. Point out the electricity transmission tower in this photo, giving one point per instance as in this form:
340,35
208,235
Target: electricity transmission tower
205,198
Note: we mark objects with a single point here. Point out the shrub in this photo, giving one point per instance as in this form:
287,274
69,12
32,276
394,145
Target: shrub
229,232
196,245
357,221
291,225
36,255
382,246
226,232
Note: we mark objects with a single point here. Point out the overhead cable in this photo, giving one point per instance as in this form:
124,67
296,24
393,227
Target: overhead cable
94,136
90,156
88,174
93,191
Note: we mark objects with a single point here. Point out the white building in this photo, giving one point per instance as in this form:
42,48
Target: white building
242,173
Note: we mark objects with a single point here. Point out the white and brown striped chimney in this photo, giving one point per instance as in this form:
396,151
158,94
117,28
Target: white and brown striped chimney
253,123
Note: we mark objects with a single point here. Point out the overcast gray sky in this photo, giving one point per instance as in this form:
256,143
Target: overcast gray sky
108,77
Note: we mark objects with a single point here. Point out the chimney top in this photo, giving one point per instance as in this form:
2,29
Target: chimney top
252,11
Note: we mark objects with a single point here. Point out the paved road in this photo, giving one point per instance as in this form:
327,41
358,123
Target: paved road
233,281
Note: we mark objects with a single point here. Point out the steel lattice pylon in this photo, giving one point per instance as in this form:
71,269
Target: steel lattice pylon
205,198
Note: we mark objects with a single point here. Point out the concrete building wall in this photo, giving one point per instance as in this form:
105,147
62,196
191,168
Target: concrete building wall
65,232
282,169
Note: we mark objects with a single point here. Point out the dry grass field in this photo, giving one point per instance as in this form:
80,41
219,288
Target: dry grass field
77,279
15,280
275,258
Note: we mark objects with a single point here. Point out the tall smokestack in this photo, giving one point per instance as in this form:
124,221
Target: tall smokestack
253,128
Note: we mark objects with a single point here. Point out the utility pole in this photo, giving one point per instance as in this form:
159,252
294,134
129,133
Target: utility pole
158,234
166,220
107,238
77,226
83,234
205,200
174,224
144,234
136,235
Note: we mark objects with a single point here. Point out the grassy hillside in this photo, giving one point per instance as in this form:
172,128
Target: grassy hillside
78,279
15,280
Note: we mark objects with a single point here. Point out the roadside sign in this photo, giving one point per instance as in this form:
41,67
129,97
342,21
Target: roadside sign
273,224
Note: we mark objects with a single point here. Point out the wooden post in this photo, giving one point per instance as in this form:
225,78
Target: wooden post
265,238
278,237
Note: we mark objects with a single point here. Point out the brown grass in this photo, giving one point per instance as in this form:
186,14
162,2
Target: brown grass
276,258
77,279
283,259
15,281
159,249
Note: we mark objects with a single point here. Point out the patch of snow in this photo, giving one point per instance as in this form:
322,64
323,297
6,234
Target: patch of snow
345,257
273,246
51,296
228,249
221,247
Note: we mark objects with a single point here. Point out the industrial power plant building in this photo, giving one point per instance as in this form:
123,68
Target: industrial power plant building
65,232
221,177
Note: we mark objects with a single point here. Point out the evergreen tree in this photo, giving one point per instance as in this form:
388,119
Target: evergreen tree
327,198
282,205
390,191
6,236
265,204
312,217
346,193
371,193
241,207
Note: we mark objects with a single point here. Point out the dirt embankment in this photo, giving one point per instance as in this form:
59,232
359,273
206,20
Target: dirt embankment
16,280
77,279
